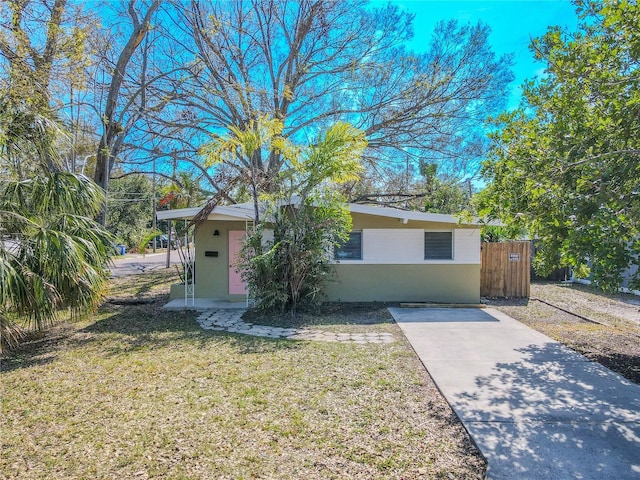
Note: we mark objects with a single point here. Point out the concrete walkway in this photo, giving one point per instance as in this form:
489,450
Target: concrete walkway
536,409
230,320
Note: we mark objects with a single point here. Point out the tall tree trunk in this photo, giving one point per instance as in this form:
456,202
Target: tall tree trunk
107,152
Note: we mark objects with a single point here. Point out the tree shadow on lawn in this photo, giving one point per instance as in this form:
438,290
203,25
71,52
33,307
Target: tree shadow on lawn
37,349
126,329
142,285
329,313
150,326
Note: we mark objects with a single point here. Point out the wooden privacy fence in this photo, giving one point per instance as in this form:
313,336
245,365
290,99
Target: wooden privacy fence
505,269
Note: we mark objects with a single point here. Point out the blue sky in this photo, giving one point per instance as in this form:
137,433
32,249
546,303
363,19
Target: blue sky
513,25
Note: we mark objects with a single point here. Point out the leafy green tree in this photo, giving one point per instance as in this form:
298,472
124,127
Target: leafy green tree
44,57
130,208
443,194
308,218
25,134
566,165
240,148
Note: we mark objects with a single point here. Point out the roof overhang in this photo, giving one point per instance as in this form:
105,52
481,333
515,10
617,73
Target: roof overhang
405,215
239,212
245,211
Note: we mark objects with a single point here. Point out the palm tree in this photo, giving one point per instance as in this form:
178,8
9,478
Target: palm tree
53,255
57,255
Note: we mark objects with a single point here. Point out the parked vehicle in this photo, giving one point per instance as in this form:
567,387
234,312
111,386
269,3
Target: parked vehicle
162,241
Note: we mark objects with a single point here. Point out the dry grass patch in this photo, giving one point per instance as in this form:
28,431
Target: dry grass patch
333,317
615,345
138,392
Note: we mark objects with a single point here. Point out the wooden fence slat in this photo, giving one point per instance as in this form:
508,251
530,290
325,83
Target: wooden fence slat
505,269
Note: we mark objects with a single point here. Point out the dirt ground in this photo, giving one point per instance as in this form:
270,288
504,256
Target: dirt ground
614,341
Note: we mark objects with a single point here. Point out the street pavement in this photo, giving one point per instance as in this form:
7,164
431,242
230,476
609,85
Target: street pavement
132,264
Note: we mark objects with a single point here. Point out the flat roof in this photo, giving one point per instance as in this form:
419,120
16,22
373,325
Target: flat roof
245,211
240,211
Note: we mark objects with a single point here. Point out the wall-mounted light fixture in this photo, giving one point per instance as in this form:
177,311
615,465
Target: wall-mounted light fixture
216,233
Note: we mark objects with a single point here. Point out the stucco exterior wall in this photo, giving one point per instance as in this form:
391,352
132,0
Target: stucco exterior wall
392,269
212,273
361,220
406,246
405,283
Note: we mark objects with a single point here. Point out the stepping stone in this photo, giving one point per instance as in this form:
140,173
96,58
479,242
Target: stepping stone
231,321
258,331
213,328
317,336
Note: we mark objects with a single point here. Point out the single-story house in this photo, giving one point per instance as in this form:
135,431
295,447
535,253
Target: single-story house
392,256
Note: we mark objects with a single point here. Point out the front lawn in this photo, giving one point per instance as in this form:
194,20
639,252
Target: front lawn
137,392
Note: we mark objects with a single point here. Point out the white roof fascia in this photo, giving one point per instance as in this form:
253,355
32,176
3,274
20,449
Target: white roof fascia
178,214
241,211
245,211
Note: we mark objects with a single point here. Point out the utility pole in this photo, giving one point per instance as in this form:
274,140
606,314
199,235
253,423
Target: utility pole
106,191
154,224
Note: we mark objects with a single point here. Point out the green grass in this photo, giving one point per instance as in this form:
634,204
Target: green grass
138,392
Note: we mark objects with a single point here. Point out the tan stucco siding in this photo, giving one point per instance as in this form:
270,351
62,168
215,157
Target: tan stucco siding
212,273
381,279
360,221
397,246
405,283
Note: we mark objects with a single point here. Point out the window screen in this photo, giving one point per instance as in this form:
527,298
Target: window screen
438,245
351,249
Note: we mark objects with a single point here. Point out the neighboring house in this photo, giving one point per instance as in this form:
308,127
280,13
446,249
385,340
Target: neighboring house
627,280
392,256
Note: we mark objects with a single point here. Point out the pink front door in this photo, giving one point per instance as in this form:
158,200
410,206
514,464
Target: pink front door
236,284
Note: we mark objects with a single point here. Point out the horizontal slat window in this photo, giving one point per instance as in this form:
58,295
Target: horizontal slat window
438,245
351,249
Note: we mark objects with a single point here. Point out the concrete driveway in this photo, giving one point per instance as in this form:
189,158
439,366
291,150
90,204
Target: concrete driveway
536,409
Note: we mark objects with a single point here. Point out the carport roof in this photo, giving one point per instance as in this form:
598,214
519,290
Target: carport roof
240,211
